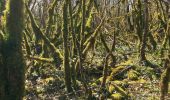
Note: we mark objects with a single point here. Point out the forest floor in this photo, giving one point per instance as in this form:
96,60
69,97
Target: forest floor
130,80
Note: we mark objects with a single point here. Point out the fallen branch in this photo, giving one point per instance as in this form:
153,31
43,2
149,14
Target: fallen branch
48,60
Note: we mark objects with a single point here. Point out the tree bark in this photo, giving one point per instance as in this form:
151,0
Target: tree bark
13,61
66,49
144,37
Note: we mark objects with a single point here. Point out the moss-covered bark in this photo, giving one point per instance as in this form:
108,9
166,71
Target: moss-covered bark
13,61
57,56
138,20
144,35
66,49
2,6
164,82
105,71
50,17
1,69
74,46
88,44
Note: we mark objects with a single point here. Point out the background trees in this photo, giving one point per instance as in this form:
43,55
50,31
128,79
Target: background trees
87,45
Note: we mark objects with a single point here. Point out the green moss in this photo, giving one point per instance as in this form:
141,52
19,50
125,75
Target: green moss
118,82
120,90
94,35
165,78
122,66
66,60
122,84
89,22
116,70
132,75
94,84
117,96
98,81
50,17
57,56
111,89
14,69
137,81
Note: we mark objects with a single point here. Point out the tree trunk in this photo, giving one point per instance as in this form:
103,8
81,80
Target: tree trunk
2,6
13,61
66,49
144,38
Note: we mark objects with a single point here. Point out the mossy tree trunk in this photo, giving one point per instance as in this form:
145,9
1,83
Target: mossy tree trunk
13,61
57,56
144,37
74,46
165,78
66,49
2,6
1,70
138,20
165,26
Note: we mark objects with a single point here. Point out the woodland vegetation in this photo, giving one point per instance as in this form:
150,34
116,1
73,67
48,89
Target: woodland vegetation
84,49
